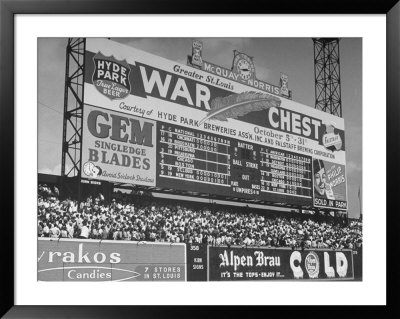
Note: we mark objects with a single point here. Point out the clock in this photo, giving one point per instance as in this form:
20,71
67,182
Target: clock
244,66
88,168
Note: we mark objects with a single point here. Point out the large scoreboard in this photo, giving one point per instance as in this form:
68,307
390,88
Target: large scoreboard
209,163
154,122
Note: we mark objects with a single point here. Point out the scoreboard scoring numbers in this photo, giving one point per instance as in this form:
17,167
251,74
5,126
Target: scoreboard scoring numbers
198,161
193,156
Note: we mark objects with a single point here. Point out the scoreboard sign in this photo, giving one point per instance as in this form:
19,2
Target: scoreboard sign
210,133
212,164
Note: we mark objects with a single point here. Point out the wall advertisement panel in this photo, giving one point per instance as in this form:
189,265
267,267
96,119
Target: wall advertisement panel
94,260
255,263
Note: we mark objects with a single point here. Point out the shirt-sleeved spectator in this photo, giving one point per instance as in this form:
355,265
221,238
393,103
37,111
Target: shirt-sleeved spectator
84,231
64,232
54,231
46,230
40,229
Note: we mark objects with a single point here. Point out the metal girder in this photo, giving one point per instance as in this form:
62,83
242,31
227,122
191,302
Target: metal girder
327,75
73,107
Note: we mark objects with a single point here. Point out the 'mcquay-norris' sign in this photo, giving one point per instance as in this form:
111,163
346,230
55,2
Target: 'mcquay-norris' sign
93,260
254,263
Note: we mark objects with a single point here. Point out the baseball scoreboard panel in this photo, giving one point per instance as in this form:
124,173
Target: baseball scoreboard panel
155,122
194,160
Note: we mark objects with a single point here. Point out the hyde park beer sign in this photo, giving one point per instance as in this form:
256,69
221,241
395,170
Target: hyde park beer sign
118,147
111,76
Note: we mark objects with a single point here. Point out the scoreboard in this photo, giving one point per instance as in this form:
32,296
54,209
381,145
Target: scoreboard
157,123
198,161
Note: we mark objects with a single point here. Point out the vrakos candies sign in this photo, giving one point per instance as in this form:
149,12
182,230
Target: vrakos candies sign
133,98
93,260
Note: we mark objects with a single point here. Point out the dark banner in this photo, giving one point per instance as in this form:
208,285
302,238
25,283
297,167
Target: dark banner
196,256
254,263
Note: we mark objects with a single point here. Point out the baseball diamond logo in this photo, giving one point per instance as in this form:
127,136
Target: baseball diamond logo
111,76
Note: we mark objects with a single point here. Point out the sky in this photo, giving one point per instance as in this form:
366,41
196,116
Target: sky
292,56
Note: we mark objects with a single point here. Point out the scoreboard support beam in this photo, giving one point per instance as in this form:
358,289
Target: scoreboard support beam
72,121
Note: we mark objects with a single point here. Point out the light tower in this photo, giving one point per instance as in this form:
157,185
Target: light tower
72,122
327,75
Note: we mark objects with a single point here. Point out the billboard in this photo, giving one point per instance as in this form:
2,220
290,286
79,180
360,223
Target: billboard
118,147
215,133
94,260
257,263
329,185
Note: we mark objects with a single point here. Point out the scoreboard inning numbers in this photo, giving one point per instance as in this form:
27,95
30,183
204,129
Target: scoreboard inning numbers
198,161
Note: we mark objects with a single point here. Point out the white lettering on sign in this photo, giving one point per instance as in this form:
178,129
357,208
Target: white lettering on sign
82,257
297,271
179,90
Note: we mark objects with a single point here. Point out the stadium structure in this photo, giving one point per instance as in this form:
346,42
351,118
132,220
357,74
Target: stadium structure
205,133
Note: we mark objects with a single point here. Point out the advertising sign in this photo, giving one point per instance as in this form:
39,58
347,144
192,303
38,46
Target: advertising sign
118,147
255,263
93,260
214,132
111,77
329,185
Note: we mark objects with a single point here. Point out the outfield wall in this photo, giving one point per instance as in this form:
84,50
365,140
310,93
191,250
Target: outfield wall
108,260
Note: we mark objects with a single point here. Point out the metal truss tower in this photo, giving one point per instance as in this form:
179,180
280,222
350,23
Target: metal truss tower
73,110
327,75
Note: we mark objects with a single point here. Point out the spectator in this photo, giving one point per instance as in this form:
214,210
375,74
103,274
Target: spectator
64,232
84,234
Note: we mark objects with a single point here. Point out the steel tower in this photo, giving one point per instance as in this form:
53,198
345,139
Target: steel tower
327,75
73,110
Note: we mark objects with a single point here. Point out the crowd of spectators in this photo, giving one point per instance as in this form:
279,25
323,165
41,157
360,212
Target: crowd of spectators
149,219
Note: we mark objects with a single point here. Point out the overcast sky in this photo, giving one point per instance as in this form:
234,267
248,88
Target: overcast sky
293,56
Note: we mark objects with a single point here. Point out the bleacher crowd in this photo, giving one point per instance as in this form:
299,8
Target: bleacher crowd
149,219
